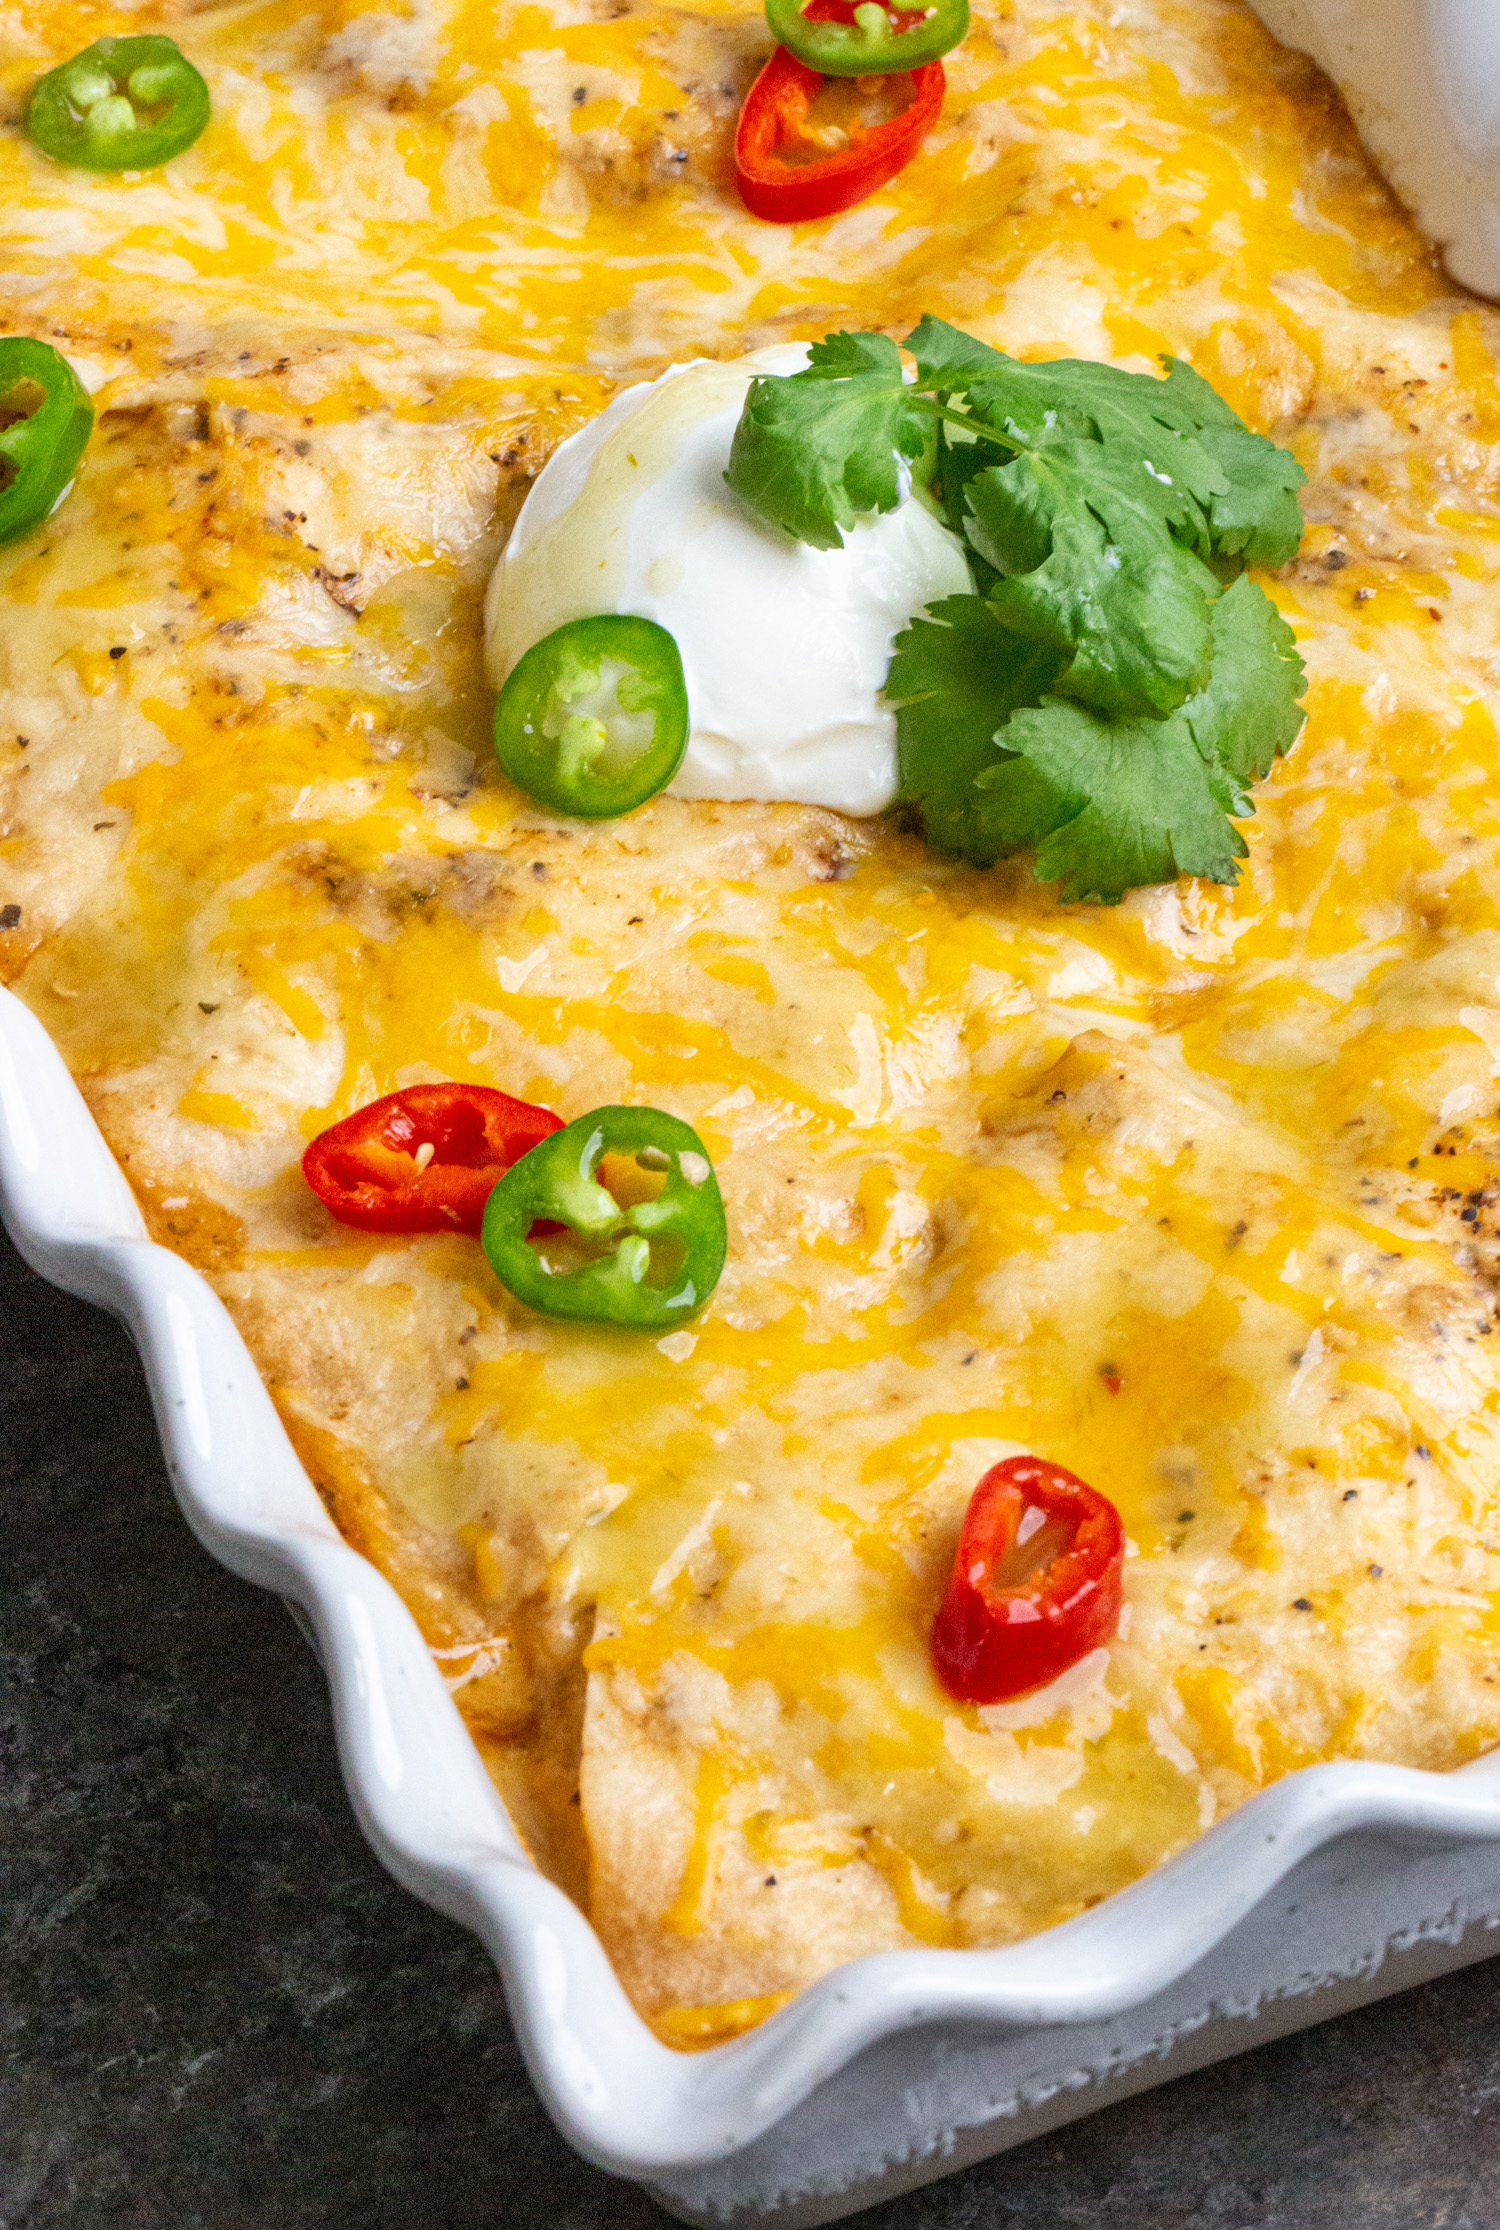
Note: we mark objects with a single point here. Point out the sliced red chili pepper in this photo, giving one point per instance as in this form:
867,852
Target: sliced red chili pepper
1036,1582
774,118
425,1159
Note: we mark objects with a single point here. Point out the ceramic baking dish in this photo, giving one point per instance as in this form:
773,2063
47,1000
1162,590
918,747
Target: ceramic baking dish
1422,82
1341,1883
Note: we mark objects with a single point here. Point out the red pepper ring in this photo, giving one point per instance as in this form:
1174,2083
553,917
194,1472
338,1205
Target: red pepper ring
775,116
1036,1582
425,1159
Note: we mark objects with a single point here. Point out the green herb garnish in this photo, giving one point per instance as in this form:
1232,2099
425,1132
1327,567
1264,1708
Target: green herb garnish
1105,699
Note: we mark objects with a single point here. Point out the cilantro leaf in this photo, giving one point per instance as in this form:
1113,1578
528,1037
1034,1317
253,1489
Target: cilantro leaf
1231,493
813,450
948,360
1257,520
1101,700
1130,413
1107,805
1247,715
1190,401
1076,532
1134,803
955,678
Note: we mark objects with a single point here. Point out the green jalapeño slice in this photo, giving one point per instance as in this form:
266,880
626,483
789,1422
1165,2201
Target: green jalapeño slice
594,719
643,1250
867,40
45,420
123,104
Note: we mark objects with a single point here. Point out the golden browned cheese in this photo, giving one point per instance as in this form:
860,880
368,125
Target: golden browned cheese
1193,1195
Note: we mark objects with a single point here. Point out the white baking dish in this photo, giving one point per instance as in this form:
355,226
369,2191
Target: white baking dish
1341,1883
1422,81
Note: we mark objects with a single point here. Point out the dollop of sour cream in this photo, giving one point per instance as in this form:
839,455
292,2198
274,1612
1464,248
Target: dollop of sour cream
784,648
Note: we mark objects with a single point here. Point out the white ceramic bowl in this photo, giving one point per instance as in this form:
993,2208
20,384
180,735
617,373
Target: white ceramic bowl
1339,1884
1422,81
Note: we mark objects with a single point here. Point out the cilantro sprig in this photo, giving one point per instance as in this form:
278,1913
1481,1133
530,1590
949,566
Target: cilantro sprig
1114,686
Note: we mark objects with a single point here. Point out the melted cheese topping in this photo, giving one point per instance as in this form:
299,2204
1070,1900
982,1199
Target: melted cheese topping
1194,1196
434,172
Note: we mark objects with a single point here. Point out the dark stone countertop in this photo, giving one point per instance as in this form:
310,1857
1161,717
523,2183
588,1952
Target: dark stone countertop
218,2013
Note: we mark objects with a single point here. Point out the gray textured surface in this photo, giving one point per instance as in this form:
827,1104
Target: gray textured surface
217,2014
